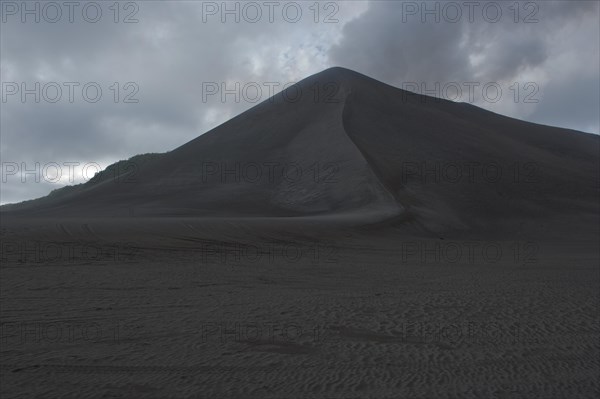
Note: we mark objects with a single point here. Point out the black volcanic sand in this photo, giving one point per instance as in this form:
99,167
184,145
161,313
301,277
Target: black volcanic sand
254,309
380,283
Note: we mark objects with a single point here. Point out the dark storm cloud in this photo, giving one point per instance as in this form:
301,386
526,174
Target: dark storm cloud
391,42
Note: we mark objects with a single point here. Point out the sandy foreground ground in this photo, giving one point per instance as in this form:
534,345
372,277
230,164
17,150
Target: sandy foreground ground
230,309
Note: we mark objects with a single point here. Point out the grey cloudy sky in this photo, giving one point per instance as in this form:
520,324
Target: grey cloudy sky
153,62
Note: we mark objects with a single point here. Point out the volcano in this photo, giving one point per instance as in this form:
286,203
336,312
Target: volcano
343,238
339,143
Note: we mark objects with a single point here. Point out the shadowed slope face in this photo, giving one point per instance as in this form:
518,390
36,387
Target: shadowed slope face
453,164
340,142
